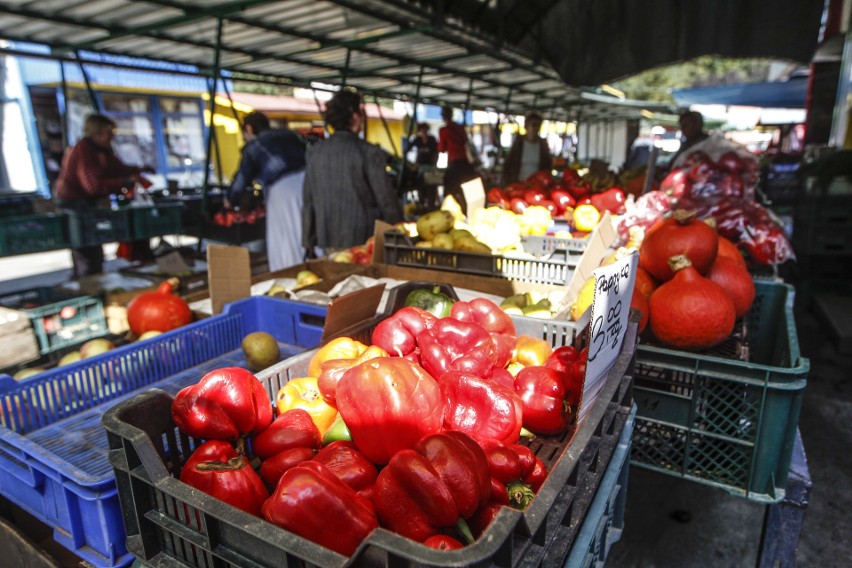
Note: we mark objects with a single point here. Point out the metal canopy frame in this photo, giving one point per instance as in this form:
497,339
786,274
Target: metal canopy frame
399,49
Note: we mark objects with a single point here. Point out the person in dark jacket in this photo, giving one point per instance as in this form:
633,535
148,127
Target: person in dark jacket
90,173
529,153
346,188
427,155
274,158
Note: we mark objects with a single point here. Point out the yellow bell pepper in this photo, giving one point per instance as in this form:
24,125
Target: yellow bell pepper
304,393
340,348
531,352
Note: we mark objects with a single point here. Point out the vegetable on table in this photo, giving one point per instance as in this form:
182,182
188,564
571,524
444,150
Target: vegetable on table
433,486
334,369
292,429
304,393
226,404
340,348
315,504
456,345
158,310
481,407
217,469
432,300
545,409
398,334
388,404
486,313
345,461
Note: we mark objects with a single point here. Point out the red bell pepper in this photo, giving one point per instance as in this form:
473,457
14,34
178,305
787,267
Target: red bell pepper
454,345
486,313
334,369
292,429
226,404
611,200
481,408
441,481
388,404
504,348
443,542
515,473
313,503
271,469
343,460
398,334
480,521
217,469
545,409
562,361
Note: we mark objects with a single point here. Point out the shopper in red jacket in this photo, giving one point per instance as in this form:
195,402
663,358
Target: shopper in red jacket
90,173
452,139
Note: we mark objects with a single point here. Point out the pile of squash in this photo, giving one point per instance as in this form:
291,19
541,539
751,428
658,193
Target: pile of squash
691,285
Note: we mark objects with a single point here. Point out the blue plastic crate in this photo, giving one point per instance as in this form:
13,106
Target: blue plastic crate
53,449
605,518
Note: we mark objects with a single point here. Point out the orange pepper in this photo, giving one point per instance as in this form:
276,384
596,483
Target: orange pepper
531,352
340,348
304,393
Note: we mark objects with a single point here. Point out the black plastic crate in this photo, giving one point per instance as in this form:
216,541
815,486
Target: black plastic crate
822,224
781,183
87,227
169,522
59,319
156,220
554,264
33,233
15,205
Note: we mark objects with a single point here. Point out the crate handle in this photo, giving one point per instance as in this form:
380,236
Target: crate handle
15,463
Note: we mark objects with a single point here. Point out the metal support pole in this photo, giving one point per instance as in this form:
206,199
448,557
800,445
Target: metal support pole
66,135
345,68
411,127
231,100
211,131
92,97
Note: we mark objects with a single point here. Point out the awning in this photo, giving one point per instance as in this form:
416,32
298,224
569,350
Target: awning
778,94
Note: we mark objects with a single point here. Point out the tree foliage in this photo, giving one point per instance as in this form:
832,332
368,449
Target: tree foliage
657,84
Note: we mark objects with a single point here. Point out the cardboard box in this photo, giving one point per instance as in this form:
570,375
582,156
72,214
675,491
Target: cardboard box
17,339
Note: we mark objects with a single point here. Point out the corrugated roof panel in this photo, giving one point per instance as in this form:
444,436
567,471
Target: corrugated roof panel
512,77
478,63
143,14
375,84
97,10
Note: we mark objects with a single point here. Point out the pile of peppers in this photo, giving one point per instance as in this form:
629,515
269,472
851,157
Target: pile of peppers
417,433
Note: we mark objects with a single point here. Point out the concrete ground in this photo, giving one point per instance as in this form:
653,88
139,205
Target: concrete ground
670,522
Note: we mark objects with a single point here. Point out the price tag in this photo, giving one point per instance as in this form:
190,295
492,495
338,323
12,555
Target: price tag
607,324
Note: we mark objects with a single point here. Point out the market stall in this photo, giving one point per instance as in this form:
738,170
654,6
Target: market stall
551,251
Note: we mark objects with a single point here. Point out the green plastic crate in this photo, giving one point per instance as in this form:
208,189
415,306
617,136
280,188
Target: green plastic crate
32,233
156,220
59,319
95,226
721,421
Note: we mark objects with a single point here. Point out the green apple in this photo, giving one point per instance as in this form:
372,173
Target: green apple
149,334
27,373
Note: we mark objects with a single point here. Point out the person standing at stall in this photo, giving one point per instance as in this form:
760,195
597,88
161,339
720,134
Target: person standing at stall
529,153
90,173
453,140
692,131
427,155
346,188
275,159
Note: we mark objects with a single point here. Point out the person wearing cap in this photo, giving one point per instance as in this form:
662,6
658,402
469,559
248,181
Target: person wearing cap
529,153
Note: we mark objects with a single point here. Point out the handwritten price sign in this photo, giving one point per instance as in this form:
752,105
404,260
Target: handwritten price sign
608,323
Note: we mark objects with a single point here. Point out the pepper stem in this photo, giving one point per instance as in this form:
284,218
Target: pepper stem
238,462
520,495
464,531
527,434
241,445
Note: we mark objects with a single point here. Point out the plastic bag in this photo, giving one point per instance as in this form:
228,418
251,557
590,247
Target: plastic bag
644,211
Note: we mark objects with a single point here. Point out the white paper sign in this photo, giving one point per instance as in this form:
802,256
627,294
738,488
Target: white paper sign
607,324
474,194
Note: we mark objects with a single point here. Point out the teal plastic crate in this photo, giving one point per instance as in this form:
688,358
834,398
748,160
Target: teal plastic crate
722,421
95,226
33,233
156,220
59,319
